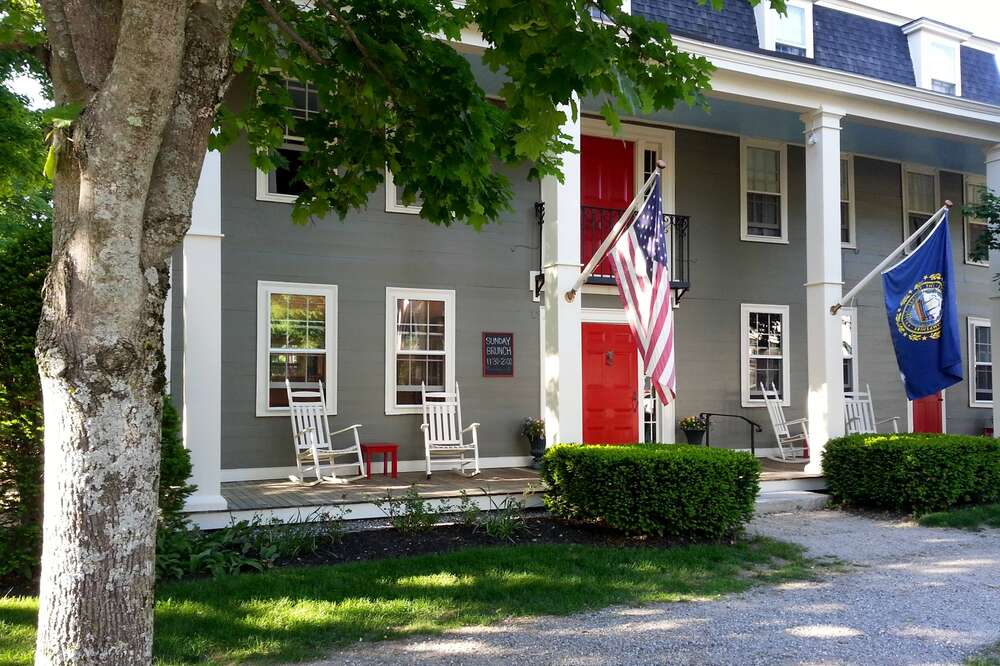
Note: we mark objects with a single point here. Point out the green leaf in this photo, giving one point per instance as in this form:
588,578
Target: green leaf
51,162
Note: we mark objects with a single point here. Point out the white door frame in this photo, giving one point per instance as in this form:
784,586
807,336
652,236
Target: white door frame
944,413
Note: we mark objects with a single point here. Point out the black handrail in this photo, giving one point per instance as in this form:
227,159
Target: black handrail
753,425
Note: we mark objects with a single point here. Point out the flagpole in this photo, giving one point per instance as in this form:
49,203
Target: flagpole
934,219
616,232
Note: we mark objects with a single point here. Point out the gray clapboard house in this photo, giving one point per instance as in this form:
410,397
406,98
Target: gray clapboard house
833,132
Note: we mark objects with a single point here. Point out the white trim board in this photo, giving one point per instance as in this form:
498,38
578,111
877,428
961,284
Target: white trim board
280,473
213,520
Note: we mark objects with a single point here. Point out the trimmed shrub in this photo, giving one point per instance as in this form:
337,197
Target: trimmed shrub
913,472
671,490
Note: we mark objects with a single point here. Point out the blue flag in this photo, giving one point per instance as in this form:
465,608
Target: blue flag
923,316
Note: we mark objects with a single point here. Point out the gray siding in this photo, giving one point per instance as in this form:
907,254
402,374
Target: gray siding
363,255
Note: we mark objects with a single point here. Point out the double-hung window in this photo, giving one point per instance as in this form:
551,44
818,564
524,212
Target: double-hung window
944,68
849,348
420,346
296,341
847,225
764,352
980,363
790,31
975,228
920,198
764,180
282,184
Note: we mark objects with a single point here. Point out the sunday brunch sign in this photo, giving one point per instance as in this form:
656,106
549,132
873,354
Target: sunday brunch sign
498,354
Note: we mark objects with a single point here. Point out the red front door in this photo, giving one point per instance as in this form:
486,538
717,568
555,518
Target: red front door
610,385
607,185
927,415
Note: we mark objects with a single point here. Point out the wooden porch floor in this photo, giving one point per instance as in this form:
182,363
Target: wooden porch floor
283,494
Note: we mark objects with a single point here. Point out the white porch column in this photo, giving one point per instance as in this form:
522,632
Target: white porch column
993,183
824,281
562,355
203,339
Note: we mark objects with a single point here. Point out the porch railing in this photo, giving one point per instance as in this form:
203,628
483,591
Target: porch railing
596,223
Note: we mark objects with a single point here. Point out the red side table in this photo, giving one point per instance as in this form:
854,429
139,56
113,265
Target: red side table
388,450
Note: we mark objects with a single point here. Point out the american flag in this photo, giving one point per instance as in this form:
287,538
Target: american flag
642,266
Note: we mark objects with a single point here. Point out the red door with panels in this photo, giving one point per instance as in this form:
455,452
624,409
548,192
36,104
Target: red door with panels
607,185
927,416
610,385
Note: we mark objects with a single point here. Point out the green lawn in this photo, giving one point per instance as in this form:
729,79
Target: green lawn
301,613
972,518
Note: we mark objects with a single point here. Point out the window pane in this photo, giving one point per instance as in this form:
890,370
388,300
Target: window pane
766,371
982,343
848,376
298,321
764,334
763,214
845,180
649,158
847,336
412,370
792,27
420,325
845,222
920,192
303,370
984,383
787,48
976,231
285,179
942,87
974,193
763,170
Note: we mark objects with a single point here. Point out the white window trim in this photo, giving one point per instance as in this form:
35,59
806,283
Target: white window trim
391,295
263,194
390,198
264,291
767,24
968,180
922,35
852,312
782,149
851,224
783,310
908,167
973,322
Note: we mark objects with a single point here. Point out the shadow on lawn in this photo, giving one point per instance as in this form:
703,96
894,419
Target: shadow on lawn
301,613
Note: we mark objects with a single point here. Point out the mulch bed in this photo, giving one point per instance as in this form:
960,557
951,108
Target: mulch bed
539,528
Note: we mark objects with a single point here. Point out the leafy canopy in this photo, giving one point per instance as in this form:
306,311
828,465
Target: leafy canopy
393,92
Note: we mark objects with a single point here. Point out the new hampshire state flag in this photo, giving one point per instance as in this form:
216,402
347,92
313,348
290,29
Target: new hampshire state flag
923,315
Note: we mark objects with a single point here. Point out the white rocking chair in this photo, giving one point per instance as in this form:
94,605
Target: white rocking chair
312,439
859,414
444,437
791,447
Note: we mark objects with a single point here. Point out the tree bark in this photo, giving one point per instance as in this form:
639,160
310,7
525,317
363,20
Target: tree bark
150,75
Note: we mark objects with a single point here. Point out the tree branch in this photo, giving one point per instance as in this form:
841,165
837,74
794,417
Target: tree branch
365,55
64,66
290,32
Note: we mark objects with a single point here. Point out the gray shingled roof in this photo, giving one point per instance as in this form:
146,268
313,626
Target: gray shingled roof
980,77
841,41
733,26
861,45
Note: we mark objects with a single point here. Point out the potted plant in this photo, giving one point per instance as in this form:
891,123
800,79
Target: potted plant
694,428
534,431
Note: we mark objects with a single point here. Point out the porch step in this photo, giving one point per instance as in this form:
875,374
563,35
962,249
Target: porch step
784,501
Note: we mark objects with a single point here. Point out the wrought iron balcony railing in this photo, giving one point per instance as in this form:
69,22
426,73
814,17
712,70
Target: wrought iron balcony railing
596,223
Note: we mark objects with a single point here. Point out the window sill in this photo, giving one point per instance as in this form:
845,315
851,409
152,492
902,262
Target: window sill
408,210
283,411
400,411
750,404
774,240
981,405
979,264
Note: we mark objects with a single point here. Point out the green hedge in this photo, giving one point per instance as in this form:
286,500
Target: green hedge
679,491
913,472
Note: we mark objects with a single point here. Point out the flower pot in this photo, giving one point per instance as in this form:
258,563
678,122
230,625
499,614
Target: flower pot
694,436
537,451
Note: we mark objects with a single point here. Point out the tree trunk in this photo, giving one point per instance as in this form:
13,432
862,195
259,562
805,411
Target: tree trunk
150,74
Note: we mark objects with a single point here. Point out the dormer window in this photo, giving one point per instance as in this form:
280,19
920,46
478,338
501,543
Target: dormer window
790,33
934,50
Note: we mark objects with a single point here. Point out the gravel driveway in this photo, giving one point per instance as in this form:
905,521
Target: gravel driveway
916,596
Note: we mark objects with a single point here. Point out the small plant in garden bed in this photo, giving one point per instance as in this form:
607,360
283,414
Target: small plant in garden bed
411,513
